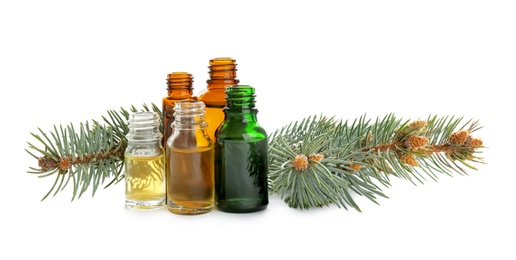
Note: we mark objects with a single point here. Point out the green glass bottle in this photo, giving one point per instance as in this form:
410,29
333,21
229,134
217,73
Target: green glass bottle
241,155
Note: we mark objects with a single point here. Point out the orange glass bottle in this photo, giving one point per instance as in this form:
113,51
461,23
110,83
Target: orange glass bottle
179,88
222,75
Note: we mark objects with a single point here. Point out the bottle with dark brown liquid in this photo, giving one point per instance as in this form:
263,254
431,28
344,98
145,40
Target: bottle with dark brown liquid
189,161
222,75
179,87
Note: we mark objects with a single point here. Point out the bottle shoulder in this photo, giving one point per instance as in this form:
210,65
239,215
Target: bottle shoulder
214,98
241,131
188,139
174,97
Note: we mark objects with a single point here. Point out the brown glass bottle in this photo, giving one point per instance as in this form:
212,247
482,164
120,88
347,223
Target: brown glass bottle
179,87
189,162
222,75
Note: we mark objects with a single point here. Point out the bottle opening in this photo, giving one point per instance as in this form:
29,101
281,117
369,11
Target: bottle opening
179,80
189,113
222,61
144,126
240,97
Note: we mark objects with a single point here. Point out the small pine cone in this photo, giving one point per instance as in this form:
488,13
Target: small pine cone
355,167
476,142
316,157
459,137
473,142
300,162
418,124
414,128
408,159
414,142
46,163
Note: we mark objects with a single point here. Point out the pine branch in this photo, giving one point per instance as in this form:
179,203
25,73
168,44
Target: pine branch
85,157
320,161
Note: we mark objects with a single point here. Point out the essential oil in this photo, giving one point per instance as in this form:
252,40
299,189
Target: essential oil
190,180
145,181
190,161
144,164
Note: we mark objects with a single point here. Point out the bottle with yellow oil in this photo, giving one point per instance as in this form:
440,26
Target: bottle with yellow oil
145,186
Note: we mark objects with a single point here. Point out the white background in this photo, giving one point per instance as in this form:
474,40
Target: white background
65,61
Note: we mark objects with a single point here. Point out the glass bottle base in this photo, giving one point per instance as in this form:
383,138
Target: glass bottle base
145,204
242,205
180,210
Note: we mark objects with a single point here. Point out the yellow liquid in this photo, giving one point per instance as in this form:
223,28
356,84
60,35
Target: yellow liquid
214,117
190,180
145,186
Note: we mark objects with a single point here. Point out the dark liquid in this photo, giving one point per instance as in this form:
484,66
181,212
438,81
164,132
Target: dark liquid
190,181
241,176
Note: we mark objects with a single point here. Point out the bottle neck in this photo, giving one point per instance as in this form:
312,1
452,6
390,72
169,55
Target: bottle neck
222,74
144,136
240,104
179,85
189,115
221,84
189,127
179,93
144,127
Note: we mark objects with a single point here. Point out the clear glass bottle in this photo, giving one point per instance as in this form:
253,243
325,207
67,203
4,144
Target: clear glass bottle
145,186
179,87
189,160
222,75
241,155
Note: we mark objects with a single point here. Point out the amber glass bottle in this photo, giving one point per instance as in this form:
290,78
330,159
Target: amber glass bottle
189,161
222,75
179,87
241,155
